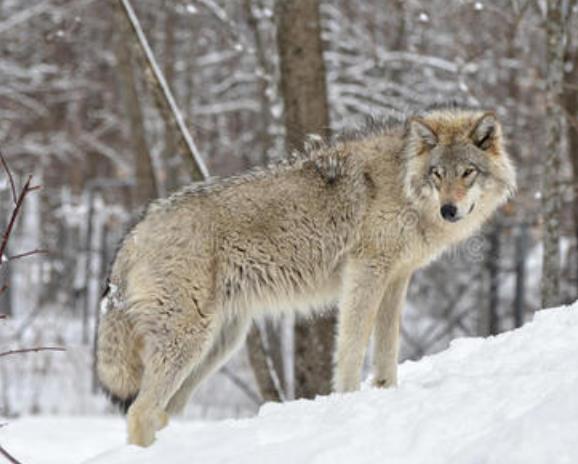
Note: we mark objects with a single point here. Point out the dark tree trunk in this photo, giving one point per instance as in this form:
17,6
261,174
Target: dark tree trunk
171,151
265,76
520,271
304,93
571,109
303,82
493,269
145,188
551,194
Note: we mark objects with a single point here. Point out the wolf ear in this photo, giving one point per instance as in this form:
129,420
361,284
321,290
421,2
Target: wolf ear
420,131
485,131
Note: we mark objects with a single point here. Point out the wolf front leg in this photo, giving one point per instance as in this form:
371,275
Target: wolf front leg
364,286
386,335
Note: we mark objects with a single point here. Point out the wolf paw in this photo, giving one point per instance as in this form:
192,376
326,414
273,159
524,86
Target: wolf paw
142,426
140,435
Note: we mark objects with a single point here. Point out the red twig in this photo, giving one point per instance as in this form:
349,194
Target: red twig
7,169
8,456
29,350
28,253
19,201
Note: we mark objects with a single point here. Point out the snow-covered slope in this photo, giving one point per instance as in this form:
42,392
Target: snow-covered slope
506,399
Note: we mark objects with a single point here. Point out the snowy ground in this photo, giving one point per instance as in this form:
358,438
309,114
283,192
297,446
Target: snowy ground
507,399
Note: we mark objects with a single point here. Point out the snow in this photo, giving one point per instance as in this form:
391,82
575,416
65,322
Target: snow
423,17
509,398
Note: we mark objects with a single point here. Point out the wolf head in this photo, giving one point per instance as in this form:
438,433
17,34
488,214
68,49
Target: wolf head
455,164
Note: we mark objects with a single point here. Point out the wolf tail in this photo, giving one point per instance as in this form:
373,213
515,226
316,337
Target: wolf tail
118,364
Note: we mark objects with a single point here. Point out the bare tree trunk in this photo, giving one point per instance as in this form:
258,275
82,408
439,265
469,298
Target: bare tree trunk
302,70
571,109
493,269
265,77
551,194
88,246
170,151
145,181
306,111
400,40
520,271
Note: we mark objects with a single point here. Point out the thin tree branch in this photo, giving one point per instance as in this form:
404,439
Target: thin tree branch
19,201
28,253
29,350
235,38
9,173
241,384
198,164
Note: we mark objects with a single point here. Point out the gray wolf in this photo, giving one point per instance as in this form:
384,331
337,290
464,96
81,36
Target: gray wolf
346,222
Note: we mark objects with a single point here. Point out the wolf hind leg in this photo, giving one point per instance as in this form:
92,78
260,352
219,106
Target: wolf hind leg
231,335
167,360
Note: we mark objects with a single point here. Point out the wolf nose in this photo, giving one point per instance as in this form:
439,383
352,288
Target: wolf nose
449,212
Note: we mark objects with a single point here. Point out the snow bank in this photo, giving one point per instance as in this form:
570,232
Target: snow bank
510,399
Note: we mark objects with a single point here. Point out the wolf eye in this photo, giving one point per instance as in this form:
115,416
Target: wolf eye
435,172
468,172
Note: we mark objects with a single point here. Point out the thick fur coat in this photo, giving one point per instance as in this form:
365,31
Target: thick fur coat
345,223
